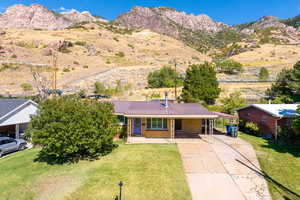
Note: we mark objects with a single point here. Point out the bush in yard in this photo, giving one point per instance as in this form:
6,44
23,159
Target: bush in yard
69,128
251,128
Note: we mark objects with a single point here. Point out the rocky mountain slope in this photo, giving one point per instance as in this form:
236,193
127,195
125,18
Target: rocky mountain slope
38,17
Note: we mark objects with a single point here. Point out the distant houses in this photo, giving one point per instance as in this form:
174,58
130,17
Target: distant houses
268,117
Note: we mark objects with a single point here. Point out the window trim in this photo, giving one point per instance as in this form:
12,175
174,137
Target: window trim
163,123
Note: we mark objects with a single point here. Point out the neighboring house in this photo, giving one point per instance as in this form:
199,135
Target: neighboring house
164,119
15,114
269,117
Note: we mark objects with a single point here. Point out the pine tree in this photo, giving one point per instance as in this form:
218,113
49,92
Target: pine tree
263,74
200,84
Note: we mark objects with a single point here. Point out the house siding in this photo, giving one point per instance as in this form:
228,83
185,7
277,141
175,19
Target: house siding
265,121
191,125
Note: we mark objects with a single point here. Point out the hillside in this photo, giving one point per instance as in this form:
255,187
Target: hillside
91,49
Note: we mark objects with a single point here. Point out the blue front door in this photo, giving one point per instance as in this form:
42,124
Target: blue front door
137,126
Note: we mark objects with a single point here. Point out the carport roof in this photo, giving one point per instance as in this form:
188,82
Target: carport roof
9,105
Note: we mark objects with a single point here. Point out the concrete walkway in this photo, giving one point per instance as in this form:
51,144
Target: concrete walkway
221,168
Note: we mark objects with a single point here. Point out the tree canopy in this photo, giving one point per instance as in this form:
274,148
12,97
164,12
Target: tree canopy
229,66
164,78
231,103
287,85
69,128
200,84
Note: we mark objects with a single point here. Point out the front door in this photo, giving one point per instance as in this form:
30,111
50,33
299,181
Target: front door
137,126
178,124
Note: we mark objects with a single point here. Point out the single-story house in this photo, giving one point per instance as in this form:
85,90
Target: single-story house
164,119
269,117
15,114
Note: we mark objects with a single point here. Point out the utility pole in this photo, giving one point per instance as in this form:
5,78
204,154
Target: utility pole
54,62
175,85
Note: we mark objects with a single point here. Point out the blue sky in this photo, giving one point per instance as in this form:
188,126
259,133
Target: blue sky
228,11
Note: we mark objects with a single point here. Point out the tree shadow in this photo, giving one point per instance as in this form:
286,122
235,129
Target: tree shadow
284,147
74,158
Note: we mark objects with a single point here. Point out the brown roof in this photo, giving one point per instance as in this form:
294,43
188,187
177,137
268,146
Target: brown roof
158,108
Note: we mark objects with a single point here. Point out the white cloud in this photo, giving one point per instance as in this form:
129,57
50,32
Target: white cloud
65,10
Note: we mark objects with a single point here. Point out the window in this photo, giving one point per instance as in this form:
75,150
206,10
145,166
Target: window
122,120
157,124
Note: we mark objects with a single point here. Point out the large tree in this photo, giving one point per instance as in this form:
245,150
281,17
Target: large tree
287,85
163,78
231,103
69,128
200,84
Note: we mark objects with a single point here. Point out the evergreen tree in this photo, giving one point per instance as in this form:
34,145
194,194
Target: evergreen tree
231,103
287,85
200,84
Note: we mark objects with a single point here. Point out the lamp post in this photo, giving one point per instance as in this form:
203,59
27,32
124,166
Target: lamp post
120,185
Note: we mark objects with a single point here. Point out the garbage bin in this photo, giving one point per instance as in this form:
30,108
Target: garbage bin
231,130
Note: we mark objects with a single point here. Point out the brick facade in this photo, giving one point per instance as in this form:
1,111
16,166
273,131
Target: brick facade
265,121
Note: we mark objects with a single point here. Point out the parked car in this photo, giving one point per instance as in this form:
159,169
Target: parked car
8,145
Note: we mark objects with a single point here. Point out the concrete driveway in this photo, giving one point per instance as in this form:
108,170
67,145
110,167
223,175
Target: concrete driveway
222,168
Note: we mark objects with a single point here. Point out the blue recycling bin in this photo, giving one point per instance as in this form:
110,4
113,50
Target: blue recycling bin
231,130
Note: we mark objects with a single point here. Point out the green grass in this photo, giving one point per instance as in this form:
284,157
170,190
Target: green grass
282,165
148,172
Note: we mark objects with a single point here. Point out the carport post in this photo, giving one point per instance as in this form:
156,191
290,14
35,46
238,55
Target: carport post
17,131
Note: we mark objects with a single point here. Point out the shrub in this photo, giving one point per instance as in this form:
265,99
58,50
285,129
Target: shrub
26,86
80,43
116,39
66,70
76,63
263,74
66,136
251,128
120,54
229,66
14,56
85,66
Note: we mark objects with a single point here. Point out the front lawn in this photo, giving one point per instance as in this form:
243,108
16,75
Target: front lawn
281,164
149,171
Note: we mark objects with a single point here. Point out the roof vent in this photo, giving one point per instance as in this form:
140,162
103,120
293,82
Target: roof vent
166,100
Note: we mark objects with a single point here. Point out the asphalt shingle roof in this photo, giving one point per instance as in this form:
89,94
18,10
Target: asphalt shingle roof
158,108
8,105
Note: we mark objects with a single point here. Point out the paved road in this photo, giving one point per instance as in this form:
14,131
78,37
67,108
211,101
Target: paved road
218,168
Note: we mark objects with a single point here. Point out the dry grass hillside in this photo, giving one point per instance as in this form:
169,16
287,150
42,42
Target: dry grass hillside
106,53
95,49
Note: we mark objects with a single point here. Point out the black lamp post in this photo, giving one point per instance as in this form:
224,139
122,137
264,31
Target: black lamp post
120,185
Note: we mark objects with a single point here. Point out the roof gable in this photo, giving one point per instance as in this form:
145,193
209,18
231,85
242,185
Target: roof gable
9,105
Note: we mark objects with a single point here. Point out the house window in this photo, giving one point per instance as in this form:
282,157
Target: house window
122,120
157,124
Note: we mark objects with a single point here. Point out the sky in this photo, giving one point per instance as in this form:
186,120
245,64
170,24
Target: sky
228,11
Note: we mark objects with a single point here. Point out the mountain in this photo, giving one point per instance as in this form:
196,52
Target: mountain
38,17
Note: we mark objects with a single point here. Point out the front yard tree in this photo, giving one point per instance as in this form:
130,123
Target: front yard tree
69,128
200,84
287,85
231,103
